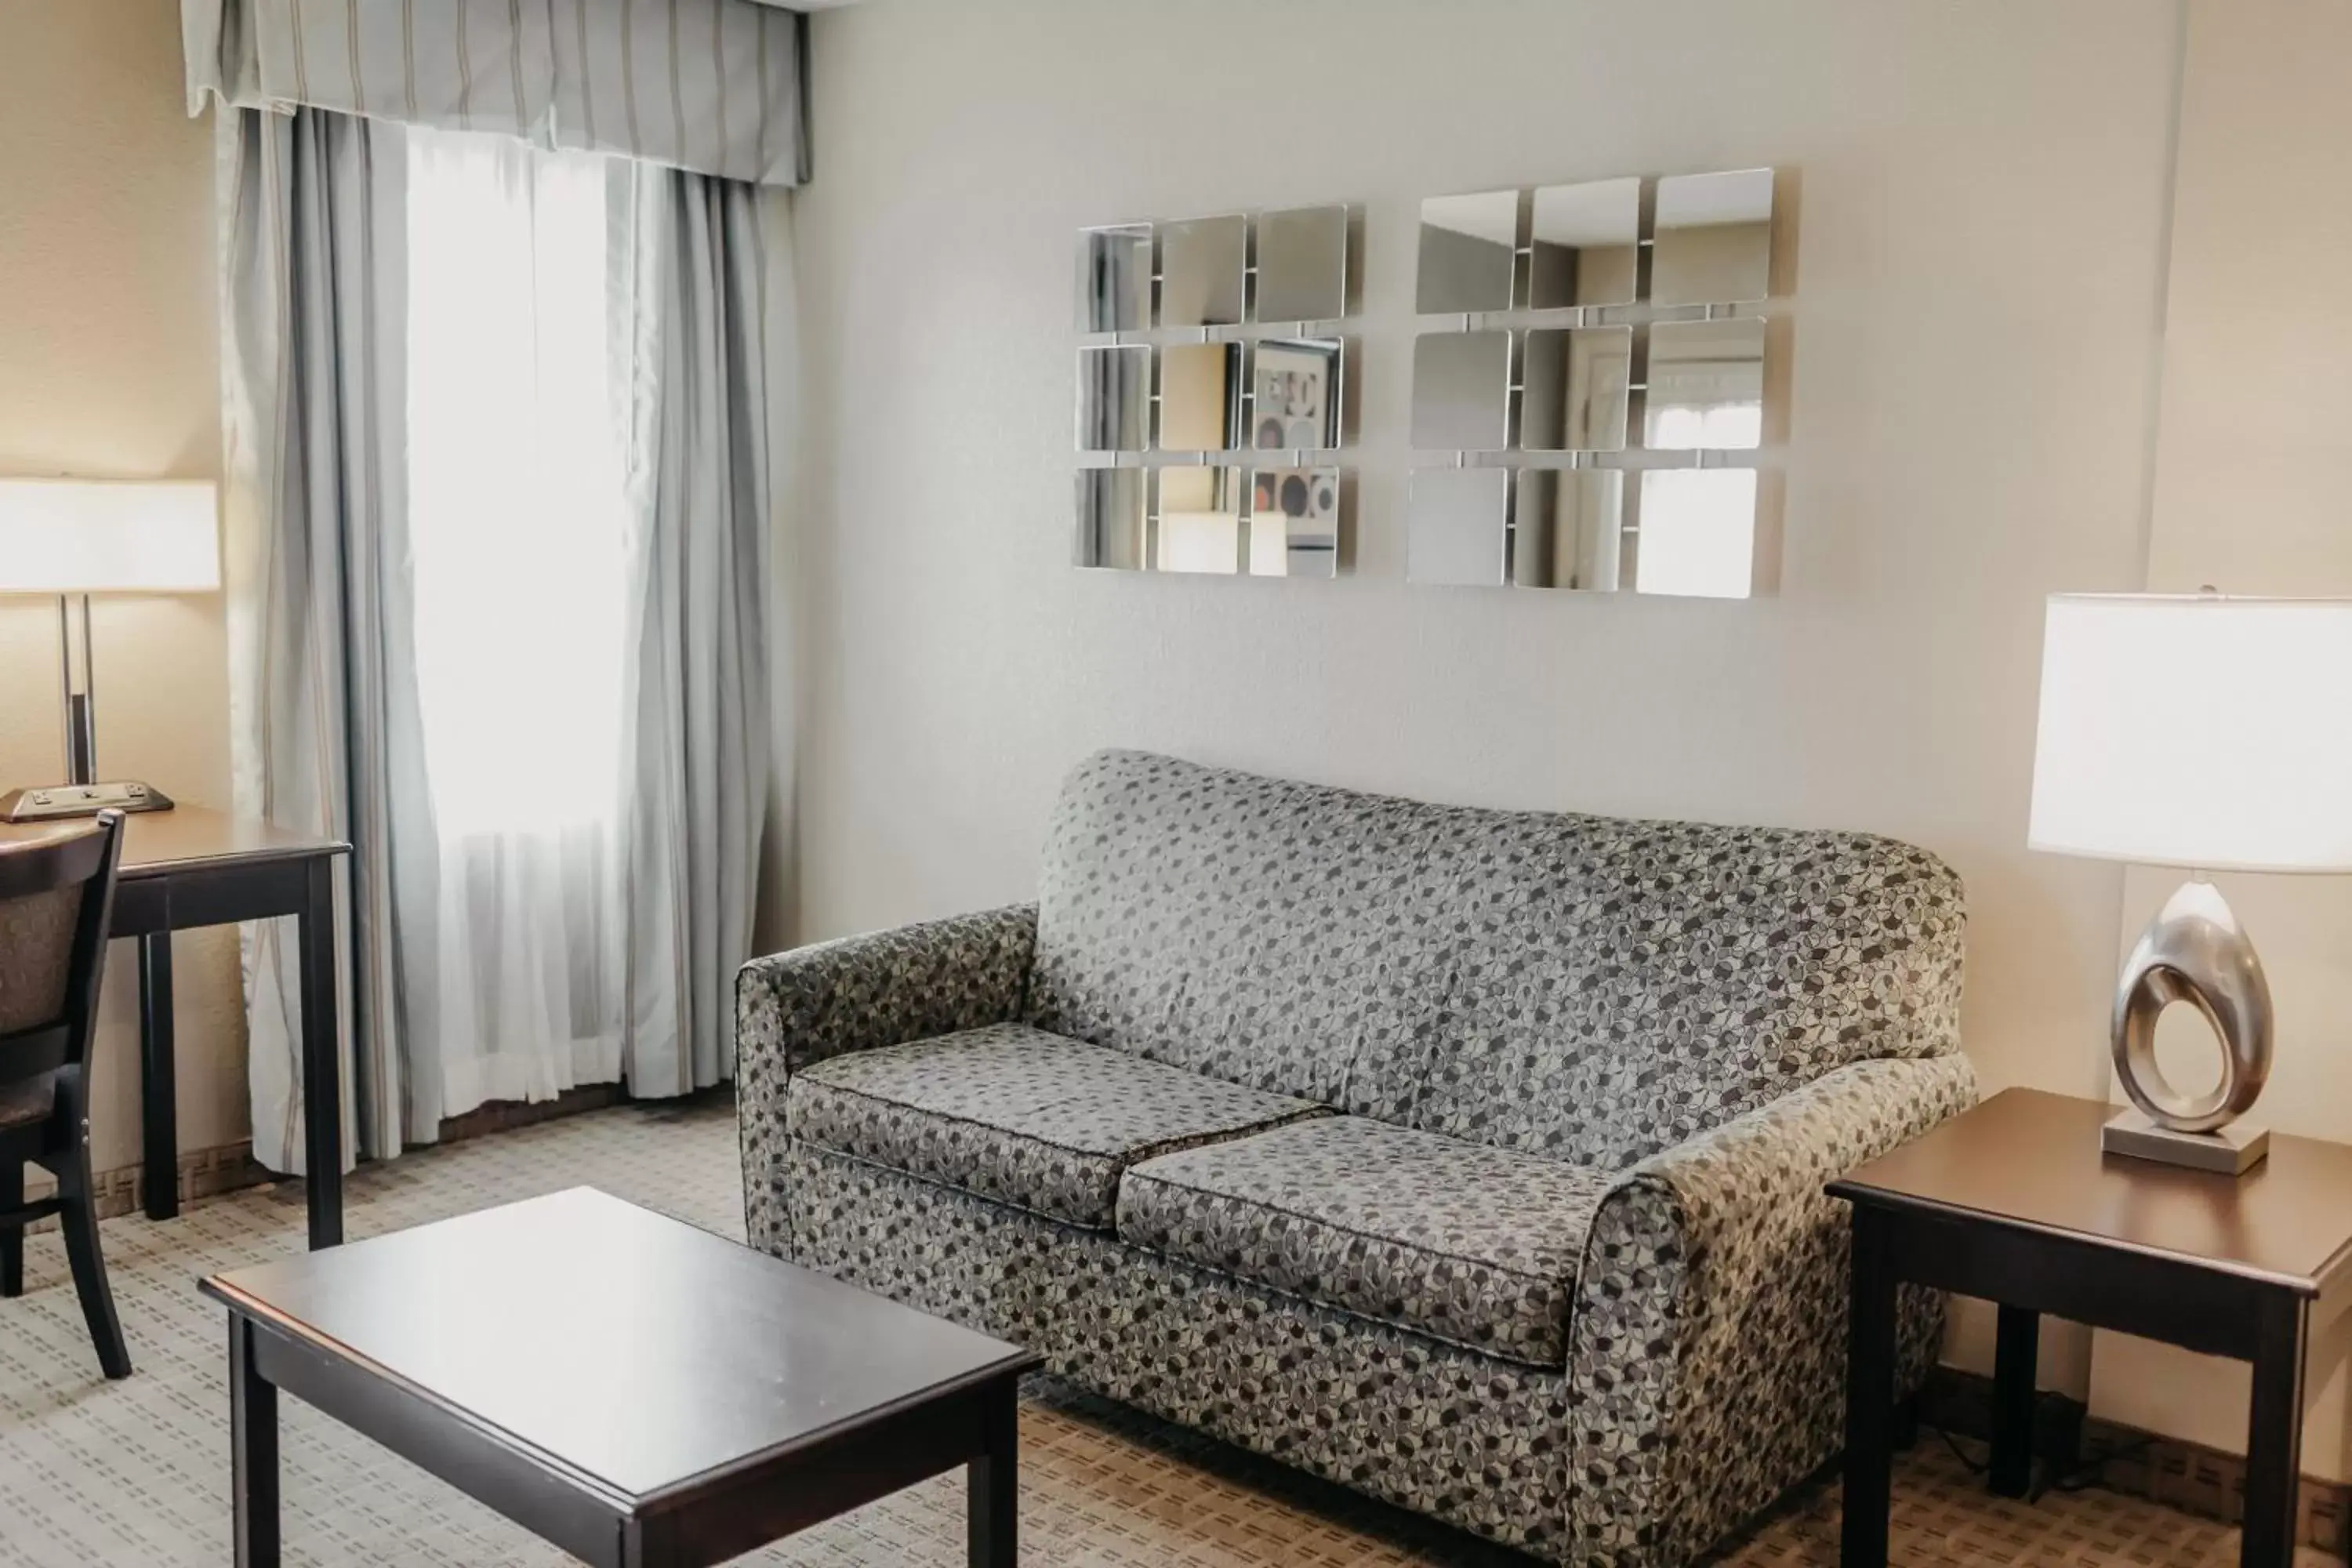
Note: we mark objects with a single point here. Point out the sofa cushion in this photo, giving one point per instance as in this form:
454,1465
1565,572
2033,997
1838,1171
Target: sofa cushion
1014,1113
1459,1241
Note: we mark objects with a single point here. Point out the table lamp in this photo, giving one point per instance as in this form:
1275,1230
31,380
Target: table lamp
2206,732
73,538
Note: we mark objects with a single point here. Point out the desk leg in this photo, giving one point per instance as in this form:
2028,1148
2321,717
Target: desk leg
1869,1394
2274,1433
993,1499
322,1074
2015,1350
159,1088
253,1446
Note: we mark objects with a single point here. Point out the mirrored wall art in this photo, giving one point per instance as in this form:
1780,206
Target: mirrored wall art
1203,271
1697,533
1114,397
1706,385
1294,522
1469,250
1302,265
1199,521
1111,518
1576,383
1115,278
1713,238
1456,526
1568,529
1462,392
1295,393
1200,397
1586,245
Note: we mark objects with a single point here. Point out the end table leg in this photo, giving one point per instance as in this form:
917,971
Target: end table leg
993,1487
322,1065
1869,1395
2274,1434
253,1442
2016,1346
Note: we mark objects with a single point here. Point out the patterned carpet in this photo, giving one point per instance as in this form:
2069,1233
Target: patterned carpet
137,1473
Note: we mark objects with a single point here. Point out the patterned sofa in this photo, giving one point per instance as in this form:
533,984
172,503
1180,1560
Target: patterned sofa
1472,1159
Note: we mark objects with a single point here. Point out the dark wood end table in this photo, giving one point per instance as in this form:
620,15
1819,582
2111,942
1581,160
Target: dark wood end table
641,1393
191,866
2013,1202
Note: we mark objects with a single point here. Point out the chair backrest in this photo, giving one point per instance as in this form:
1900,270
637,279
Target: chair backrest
57,899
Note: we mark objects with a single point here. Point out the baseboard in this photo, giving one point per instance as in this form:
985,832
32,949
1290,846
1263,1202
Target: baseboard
2173,1472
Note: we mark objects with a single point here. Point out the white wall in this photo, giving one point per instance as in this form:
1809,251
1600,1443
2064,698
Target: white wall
1979,230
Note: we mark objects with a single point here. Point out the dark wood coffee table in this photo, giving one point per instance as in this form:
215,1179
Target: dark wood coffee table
634,1390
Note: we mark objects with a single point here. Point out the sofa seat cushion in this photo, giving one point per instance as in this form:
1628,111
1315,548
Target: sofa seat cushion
1464,1243
1020,1115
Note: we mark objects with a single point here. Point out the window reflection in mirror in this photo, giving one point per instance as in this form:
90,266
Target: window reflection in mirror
1697,533
1706,385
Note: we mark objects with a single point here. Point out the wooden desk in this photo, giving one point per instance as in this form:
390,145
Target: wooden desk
190,867
2013,1202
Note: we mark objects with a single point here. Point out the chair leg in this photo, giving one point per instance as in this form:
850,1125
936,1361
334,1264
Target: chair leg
11,1240
79,1221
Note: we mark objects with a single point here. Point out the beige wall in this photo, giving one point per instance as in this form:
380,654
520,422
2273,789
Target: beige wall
108,368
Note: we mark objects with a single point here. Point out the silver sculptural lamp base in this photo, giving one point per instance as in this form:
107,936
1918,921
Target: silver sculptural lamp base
2194,951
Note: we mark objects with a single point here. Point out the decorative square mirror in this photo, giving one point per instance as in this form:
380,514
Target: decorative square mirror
1114,395
1203,271
1115,278
1585,245
1706,385
1111,518
1697,533
1302,265
1200,397
1295,393
1469,247
1462,392
1456,525
1713,236
1576,383
1294,522
1199,521
1568,529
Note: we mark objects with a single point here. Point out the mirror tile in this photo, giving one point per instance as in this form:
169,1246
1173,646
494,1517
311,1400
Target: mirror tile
1462,392
1697,533
1576,384
1115,278
1713,238
1585,245
1200,397
1706,385
1302,265
1456,526
1468,247
1203,271
1294,522
1199,521
1295,393
1114,394
1111,518
1568,529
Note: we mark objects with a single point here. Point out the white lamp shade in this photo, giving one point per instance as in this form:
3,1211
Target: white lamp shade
2200,731
86,536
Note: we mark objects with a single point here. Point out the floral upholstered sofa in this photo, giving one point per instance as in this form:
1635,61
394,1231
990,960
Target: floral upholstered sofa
1472,1159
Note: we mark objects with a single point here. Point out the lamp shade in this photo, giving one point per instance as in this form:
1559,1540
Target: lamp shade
2196,730
93,536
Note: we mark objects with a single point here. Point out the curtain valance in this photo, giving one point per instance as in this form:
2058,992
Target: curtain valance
717,87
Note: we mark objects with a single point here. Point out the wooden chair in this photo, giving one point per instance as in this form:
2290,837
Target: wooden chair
56,900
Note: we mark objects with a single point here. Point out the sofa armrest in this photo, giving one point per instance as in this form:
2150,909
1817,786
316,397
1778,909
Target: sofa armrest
793,1010
1706,1355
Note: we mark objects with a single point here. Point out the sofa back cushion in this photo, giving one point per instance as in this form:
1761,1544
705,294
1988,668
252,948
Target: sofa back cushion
1586,987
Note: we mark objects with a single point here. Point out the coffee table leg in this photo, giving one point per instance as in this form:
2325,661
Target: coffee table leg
253,1440
994,1486
1869,1395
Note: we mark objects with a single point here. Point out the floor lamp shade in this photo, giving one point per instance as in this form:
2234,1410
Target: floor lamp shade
81,536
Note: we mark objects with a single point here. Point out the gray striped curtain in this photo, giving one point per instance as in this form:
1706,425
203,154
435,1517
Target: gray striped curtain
714,87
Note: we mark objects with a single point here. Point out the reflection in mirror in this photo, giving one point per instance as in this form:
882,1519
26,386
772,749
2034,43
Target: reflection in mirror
1568,528
1714,238
1697,533
1294,523
1587,245
1467,248
1199,521
1295,395
1575,384
1114,391
1706,385
1203,271
1110,518
1115,278
1200,397
1455,526
1302,265
1462,392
